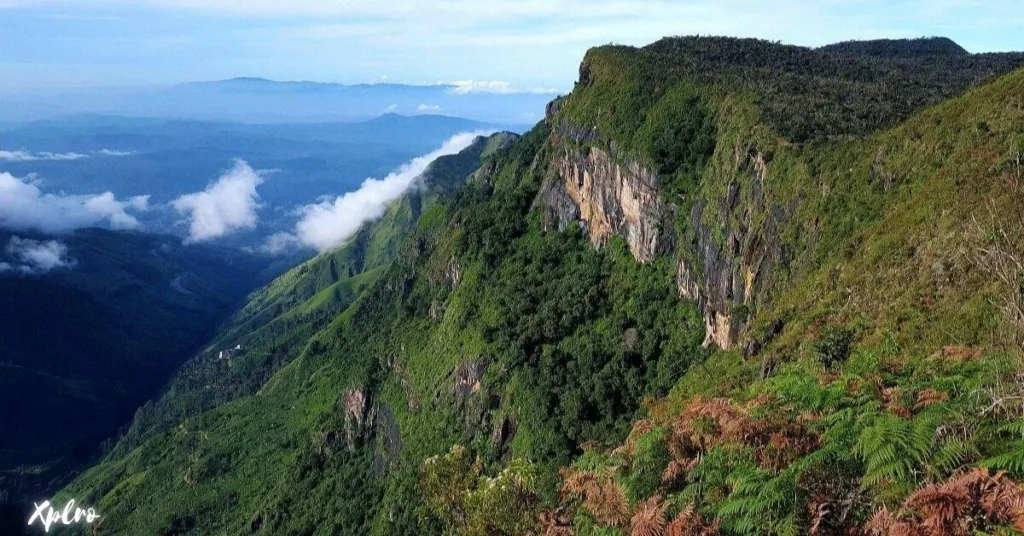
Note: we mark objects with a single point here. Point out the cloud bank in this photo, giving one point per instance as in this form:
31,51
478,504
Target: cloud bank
35,256
428,108
23,206
329,224
227,205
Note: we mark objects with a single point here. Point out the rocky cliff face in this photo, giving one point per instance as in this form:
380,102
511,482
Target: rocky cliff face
608,198
727,277
724,256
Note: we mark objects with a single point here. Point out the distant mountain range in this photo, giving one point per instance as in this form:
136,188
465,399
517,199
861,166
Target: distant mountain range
257,100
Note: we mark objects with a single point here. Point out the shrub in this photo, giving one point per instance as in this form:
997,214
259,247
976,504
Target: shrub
834,346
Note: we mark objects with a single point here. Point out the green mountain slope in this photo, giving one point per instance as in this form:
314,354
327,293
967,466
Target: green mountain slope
726,282
870,353
275,323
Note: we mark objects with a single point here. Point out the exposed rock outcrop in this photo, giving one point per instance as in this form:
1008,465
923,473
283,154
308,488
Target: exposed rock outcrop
727,277
365,421
467,379
607,196
357,413
731,243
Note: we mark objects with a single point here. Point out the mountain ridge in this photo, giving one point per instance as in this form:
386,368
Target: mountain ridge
667,302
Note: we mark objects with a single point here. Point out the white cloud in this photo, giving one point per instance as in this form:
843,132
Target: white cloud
23,156
24,206
428,108
279,243
44,156
223,207
36,256
466,87
391,108
113,152
329,224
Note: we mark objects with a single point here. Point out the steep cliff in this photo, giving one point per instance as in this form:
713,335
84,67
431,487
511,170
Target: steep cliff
608,196
680,148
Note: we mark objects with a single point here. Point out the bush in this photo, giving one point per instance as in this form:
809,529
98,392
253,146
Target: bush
834,346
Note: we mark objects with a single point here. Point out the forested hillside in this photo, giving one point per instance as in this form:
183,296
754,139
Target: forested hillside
726,287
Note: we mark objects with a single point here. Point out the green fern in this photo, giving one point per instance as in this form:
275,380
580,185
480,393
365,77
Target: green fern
760,503
892,449
649,461
1013,460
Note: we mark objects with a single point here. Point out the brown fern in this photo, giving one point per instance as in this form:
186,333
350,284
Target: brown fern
690,523
677,470
970,502
885,523
930,397
649,518
609,505
578,484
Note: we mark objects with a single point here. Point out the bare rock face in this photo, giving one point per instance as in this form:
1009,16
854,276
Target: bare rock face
389,436
504,432
467,379
366,421
724,278
608,198
725,259
358,414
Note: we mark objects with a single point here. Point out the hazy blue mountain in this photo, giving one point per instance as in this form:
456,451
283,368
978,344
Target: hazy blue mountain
257,100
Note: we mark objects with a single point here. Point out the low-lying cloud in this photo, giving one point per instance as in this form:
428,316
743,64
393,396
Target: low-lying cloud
227,205
23,156
23,206
331,223
26,156
35,256
497,87
428,108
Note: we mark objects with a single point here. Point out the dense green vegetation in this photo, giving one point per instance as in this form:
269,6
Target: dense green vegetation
275,323
802,94
490,376
898,48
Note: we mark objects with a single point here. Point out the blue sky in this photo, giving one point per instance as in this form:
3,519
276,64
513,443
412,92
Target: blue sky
510,44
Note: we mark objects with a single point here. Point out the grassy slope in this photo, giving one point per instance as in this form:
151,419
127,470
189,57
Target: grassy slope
283,456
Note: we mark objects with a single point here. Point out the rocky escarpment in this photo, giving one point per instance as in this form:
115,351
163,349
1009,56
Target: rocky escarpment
363,420
729,243
607,197
732,249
